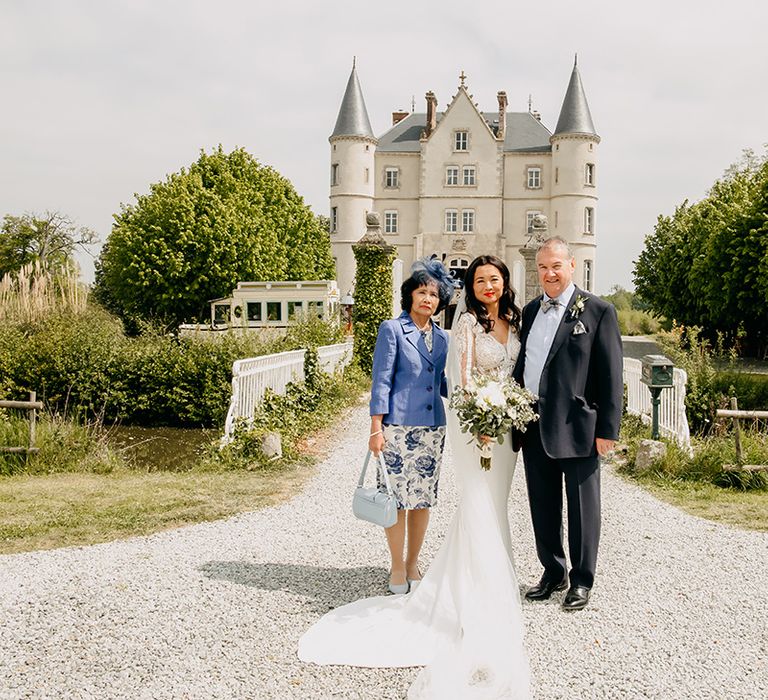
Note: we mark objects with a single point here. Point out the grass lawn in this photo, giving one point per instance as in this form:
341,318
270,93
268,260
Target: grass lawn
65,509
744,509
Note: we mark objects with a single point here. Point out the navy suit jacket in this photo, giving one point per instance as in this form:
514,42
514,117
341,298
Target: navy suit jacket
408,380
582,387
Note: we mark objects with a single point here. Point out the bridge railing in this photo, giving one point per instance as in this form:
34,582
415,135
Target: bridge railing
673,422
252,377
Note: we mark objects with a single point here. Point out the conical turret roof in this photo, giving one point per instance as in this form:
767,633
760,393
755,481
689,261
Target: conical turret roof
353,116
575,117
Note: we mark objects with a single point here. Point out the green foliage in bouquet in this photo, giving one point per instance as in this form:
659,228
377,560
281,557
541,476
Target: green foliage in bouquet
491,405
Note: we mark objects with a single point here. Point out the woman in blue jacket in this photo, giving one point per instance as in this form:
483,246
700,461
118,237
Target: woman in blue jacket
407,412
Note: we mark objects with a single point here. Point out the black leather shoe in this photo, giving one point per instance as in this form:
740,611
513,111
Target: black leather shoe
576,598
545,588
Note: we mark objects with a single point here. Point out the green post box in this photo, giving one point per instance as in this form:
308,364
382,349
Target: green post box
657,375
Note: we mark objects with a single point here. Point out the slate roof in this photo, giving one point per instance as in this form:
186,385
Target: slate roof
575,117
353,116
524,133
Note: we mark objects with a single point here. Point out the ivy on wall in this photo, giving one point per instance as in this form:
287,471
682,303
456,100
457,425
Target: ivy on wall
373,297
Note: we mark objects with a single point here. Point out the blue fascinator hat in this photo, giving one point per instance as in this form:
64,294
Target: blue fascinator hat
426,270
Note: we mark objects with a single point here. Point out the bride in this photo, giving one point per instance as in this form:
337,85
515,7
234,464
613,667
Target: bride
463,623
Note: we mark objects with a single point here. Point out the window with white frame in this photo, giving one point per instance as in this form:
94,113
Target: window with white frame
391,177
452,175
334,174
451,220
589,220
589,174
461,141
458,268
334,219
529,220
468,173
468,221
588,275
534,178
390,222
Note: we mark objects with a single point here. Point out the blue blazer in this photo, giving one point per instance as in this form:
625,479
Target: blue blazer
408,380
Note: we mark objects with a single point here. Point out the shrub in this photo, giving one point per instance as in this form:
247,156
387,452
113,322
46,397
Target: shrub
689,351
706,465
296,415
751,390
373,292
634,322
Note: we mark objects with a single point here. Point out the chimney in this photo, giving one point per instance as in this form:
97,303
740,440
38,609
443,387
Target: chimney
431,113
502,97
398,116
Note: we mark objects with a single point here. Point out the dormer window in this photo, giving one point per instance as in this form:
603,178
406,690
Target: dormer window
461,141
391,177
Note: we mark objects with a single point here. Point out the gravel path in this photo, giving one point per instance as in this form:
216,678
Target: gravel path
215,610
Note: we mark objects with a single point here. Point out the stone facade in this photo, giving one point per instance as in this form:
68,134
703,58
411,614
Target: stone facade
463,182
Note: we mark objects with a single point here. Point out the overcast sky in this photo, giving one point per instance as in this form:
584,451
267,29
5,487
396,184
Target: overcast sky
101,98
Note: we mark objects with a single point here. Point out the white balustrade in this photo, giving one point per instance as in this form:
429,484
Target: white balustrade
333,357
252,377
673,422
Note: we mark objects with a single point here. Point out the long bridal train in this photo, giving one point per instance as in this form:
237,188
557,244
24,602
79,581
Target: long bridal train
463,622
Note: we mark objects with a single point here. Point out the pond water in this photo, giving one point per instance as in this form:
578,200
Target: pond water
161,449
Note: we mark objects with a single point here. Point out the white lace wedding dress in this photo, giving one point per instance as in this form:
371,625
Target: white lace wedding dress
463,623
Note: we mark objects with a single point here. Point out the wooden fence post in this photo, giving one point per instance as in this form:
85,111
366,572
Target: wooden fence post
737,432
32,419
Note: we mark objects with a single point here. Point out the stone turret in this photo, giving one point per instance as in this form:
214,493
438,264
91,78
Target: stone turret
351,179
574,179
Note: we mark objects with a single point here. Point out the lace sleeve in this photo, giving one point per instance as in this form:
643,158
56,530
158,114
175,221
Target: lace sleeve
465,341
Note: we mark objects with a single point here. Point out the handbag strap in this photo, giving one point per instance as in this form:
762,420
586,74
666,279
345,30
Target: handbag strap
382,468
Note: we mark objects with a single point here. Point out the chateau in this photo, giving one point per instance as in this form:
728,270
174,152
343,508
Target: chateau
463,182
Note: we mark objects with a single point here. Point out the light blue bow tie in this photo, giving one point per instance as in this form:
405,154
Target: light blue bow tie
547,304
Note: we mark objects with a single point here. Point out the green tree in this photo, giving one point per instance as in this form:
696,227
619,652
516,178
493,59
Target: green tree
707,264
48,241
225,219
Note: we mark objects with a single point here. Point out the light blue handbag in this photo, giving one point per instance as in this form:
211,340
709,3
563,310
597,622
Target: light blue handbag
372,504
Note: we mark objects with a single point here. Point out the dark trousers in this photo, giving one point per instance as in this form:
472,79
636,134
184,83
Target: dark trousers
544,477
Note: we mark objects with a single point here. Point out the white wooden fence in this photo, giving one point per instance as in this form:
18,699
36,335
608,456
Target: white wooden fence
253,376
673,422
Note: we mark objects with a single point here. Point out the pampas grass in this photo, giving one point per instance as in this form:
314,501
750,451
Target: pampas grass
34,292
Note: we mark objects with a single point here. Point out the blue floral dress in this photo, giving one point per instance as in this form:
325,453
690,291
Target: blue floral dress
413,455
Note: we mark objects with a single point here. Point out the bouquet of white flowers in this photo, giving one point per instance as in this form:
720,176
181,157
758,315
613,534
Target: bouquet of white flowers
491,405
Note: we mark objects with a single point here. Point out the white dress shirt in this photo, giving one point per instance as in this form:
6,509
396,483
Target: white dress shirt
540,338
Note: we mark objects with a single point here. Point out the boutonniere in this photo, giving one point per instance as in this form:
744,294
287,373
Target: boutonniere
578,306
578,329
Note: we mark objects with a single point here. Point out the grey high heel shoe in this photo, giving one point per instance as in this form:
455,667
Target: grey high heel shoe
398,588
414,582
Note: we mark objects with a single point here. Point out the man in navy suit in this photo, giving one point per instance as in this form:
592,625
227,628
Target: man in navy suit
571,358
